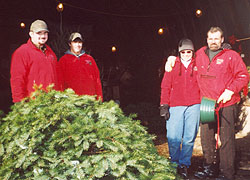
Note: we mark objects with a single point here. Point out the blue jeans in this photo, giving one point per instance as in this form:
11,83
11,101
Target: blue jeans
182,128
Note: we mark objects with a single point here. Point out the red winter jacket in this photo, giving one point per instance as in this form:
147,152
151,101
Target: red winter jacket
29,66
180,89
81,74
226,71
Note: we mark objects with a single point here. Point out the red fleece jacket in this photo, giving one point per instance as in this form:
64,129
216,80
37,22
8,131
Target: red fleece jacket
179,87
226,71
29,66
81,74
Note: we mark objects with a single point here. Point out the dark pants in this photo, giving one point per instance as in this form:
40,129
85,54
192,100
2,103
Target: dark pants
228,116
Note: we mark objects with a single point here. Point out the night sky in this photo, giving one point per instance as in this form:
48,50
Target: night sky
131,26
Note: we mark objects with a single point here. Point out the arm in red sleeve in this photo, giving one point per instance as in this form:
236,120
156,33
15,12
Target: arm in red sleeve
60,76
19,72
240,74
99,88
166,88
98,82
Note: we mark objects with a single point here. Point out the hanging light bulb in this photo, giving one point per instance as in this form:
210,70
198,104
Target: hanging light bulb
59,7
113,49
198,13
160,31
22,25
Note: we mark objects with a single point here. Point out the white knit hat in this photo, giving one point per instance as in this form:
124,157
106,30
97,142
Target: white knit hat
185,44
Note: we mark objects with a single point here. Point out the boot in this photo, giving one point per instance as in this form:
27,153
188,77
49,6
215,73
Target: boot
207,171
182,170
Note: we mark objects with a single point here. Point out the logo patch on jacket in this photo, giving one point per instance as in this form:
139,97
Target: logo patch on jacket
88,62
219,61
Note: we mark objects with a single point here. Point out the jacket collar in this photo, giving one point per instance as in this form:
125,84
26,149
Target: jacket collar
69,52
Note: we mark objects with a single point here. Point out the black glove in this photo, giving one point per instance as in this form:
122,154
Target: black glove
164,111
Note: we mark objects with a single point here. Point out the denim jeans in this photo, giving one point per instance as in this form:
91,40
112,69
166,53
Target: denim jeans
182,128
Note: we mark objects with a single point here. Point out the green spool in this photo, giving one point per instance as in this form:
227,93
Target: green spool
207,110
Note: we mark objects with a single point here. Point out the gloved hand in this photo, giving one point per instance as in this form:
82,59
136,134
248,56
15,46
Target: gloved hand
225,96
164,111
170,63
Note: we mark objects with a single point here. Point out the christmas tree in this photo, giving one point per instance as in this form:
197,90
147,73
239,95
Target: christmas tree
60,135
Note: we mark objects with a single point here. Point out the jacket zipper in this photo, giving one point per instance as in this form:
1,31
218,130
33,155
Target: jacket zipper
208,67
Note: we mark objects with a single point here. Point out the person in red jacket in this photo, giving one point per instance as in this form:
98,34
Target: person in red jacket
180,105
221,76
79,70
33,63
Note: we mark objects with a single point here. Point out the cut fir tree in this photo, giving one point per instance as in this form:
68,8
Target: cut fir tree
63,136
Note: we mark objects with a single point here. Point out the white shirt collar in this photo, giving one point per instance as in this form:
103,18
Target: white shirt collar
186,63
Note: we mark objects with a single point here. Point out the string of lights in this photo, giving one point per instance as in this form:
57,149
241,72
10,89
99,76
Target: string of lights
62,5
60,8
198,12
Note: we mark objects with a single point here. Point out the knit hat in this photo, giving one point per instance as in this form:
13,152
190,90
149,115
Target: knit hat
39,25
74,36
185,44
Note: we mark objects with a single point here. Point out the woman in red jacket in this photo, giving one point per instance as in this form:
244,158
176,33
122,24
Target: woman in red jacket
180,105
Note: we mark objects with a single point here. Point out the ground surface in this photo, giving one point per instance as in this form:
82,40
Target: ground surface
242,155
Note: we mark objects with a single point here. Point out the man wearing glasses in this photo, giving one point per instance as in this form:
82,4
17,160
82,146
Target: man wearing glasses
33,63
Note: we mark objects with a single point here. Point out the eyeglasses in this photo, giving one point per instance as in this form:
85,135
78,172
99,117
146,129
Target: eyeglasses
187,52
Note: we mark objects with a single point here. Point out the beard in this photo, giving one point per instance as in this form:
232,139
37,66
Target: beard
214,47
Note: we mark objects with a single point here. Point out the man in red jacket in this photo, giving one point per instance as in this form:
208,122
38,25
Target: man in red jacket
33,63
222,74
79,70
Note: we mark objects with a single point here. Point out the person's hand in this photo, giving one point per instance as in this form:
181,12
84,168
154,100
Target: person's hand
225,96
164,111
170,63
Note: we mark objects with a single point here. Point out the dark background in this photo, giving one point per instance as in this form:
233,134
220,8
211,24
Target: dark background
130,25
